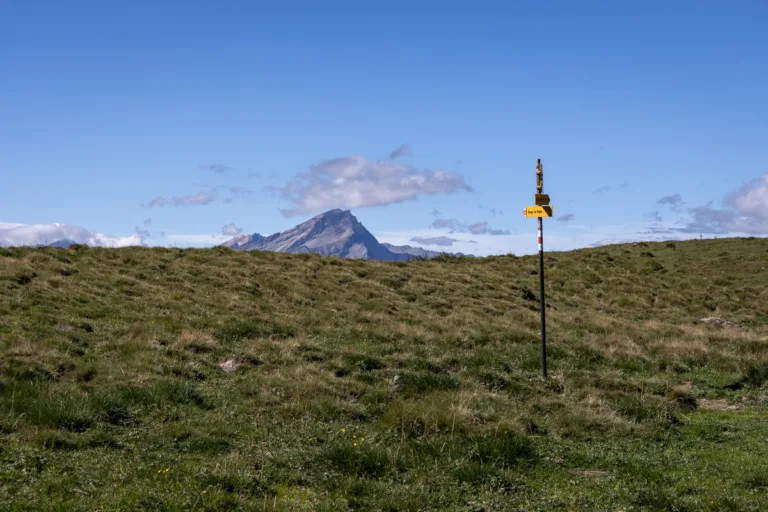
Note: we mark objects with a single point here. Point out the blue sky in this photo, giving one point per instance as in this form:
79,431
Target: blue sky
259,115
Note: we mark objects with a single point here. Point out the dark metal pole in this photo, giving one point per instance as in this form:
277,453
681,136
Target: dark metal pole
543,303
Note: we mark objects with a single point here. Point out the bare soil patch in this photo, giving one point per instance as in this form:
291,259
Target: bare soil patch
718,405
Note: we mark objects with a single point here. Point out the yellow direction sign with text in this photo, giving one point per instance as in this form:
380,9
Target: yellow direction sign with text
537,211
542,199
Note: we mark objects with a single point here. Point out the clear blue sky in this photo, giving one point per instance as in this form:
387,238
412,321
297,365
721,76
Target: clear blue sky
106,106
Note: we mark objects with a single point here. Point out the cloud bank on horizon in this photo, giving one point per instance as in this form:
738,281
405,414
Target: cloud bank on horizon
14,235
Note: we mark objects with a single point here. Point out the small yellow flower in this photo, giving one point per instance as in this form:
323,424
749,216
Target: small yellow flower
159,470
355,444
343,430
362,439
354,437
166,469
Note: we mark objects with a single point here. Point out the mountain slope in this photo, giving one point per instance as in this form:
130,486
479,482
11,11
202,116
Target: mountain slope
244,242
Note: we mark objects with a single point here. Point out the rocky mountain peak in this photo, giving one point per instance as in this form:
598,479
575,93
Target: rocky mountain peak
332,233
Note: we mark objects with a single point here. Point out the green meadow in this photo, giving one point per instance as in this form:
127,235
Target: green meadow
207,379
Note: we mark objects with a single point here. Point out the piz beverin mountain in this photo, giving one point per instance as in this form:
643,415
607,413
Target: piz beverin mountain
333,233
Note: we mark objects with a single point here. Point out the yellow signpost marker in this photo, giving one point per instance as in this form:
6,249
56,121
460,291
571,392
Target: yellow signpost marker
541,210
537,211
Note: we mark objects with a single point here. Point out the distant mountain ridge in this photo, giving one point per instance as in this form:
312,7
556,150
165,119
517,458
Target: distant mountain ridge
333,233
419,252
65,243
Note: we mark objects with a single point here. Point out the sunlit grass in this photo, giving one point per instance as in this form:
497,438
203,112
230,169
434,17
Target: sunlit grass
383,386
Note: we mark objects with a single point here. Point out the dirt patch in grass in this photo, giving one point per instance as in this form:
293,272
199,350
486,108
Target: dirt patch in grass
717,405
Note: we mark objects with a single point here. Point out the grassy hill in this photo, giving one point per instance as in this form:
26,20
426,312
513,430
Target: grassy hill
166,379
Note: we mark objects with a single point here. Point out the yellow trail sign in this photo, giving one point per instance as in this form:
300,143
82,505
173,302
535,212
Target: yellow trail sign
542,199
533,212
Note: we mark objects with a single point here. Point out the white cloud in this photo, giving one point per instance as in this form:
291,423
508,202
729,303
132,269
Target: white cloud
442,241
231,230
199,199
478,228
43,234
450,224
461,241
355,182
483,228
752,198
745,212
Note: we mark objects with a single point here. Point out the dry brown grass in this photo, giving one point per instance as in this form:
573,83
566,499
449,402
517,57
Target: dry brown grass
196,341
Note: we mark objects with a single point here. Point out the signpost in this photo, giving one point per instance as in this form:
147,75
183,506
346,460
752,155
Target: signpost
541,210
537,211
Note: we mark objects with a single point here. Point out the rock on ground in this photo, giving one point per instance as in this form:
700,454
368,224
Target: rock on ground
720,322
